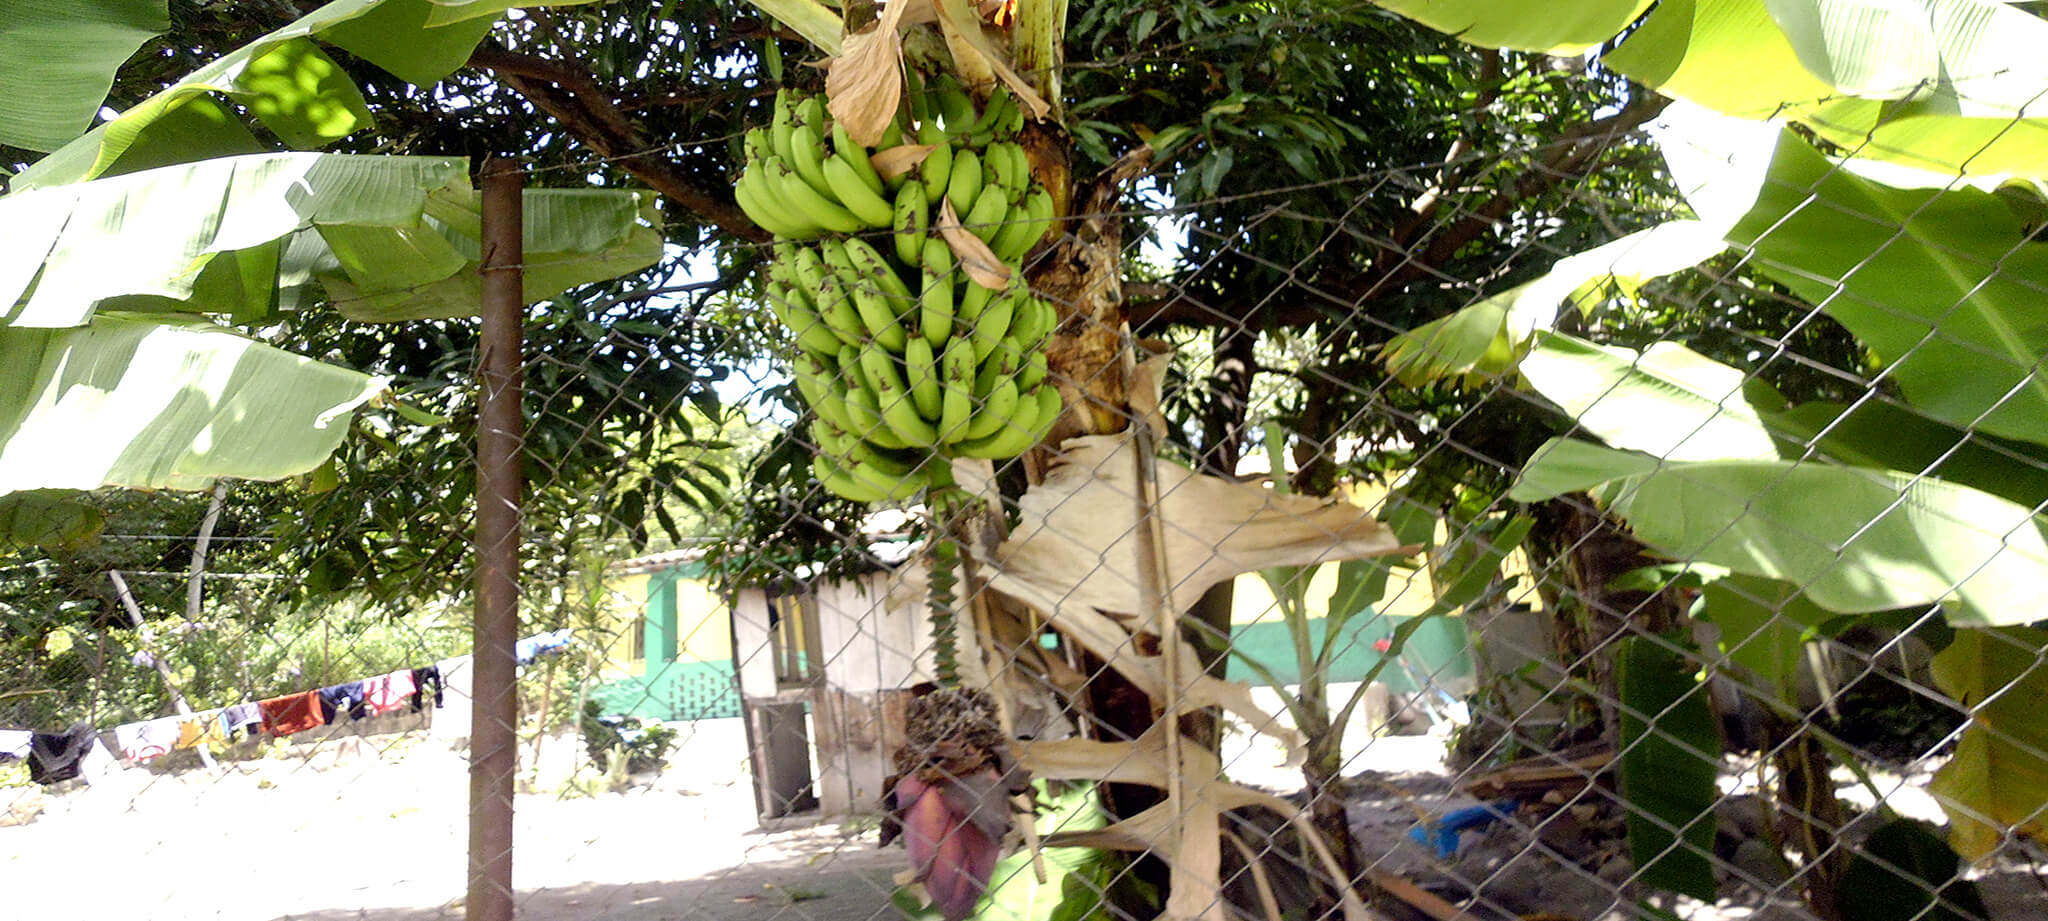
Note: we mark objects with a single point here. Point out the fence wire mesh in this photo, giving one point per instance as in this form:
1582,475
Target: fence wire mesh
1509,578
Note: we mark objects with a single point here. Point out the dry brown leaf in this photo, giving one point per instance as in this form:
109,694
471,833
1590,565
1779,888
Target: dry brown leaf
1143,761
973,256
865,81
1072,542
899,160
1262,884
976,60
1104,637
1155,355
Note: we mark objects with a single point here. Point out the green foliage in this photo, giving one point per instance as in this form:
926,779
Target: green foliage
1905,871
606,741
1670,755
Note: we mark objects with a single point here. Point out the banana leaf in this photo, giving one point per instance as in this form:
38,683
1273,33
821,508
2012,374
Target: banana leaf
283,79
163,402
1524,25
1854,539
1997,780
388,238
61,59
1948,85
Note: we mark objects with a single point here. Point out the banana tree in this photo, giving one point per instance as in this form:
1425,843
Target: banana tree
896,106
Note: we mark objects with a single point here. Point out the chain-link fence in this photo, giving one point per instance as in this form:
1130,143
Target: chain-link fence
1628,514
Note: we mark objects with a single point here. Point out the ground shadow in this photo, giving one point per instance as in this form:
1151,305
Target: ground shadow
850,887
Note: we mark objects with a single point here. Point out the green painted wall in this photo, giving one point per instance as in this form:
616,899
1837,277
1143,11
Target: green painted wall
1438,648
687,673
675,691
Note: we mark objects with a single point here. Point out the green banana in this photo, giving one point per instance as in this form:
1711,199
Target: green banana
956,405
992,113
965,184
956,109
892,396
807,156
1013,122
810,110
993,325
1012,165
973,300
1033,370
870,263
986,217
1027,226
792,190
771,214
872,209
911,220
811,332
890,464
893,487
836,308
831,440
996,411
821,389
877,315
836,478
864,413
937,167
1030,320
782,124
921,372
1015,433
856,156
935,303
1007,360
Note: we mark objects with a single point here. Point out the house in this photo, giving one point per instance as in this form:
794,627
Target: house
667,644
820,668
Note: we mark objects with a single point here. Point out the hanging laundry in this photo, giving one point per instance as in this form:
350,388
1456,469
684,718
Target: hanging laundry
240,717
291,713
55,756
421,679
540,644
199,729
386,693
148,739
345,698
14,744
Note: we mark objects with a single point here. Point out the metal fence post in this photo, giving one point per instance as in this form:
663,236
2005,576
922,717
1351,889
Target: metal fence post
493,755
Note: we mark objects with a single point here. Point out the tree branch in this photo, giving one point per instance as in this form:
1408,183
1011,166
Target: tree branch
1570,156
574,98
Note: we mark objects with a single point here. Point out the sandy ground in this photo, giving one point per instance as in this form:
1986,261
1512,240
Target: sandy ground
376,829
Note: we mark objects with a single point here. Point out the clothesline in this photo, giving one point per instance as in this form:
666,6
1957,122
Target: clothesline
56,756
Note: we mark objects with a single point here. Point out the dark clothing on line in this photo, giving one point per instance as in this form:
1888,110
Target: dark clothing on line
345,697
56,756
420,678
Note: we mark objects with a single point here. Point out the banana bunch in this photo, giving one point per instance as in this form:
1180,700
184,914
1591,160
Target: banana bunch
798,189
904,360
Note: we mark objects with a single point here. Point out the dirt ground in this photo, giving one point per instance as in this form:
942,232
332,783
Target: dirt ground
375,829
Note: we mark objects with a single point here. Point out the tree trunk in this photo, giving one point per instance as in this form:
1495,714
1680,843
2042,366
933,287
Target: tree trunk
1583,551
1812,814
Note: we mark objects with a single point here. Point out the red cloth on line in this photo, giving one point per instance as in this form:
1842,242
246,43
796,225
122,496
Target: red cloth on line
386,693
291,713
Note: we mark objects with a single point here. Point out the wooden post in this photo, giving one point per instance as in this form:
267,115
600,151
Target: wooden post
493,740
